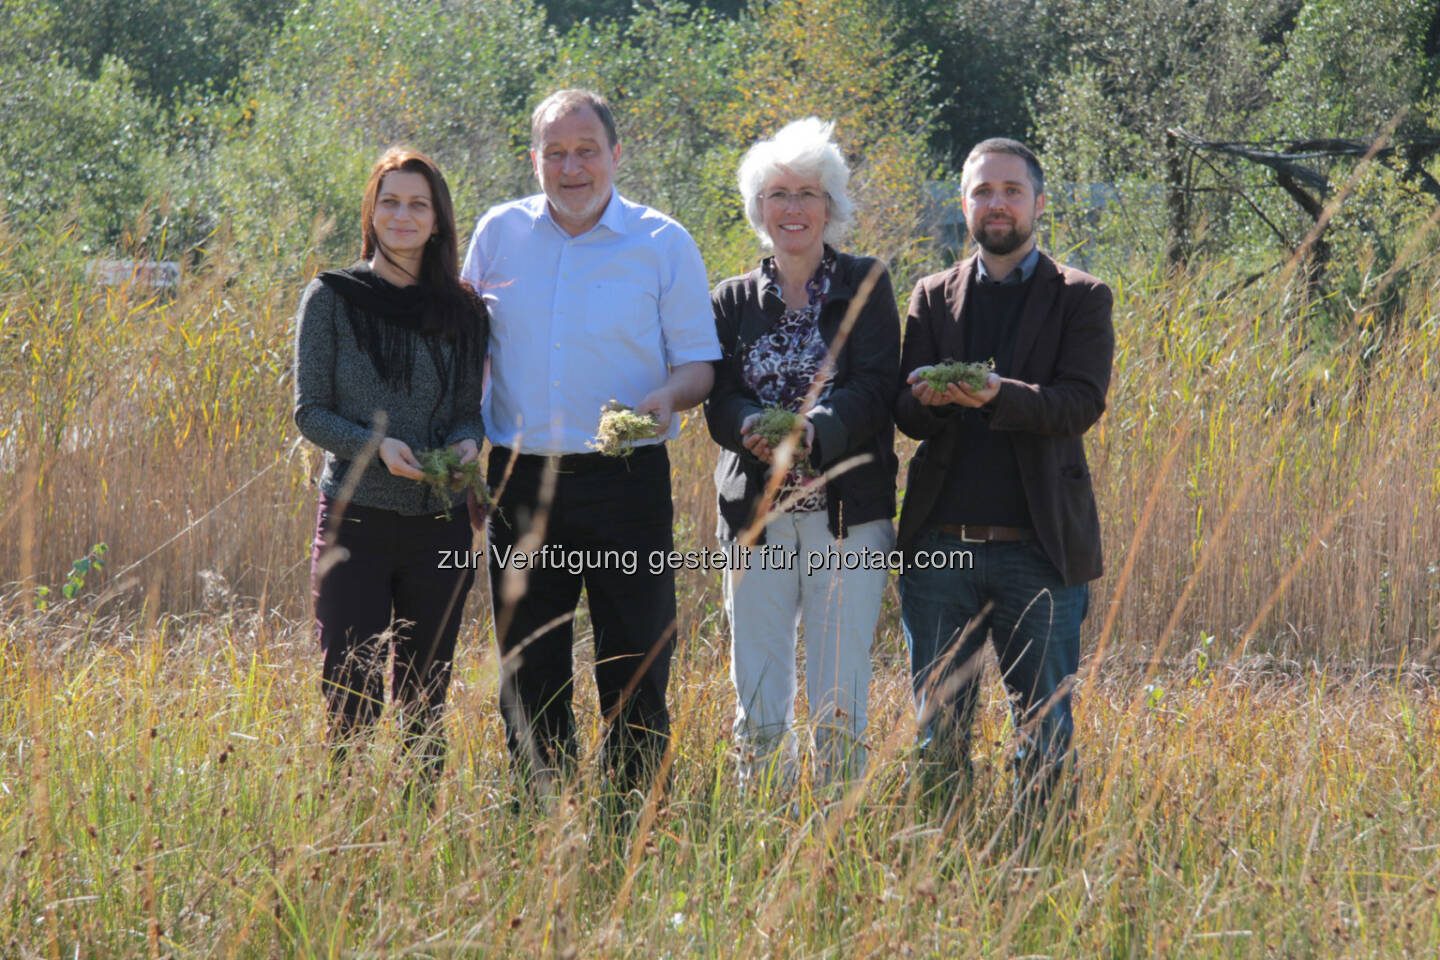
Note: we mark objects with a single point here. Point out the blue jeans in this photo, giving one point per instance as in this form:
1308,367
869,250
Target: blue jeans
1013,594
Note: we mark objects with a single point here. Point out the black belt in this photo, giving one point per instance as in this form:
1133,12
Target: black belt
577,462
980,533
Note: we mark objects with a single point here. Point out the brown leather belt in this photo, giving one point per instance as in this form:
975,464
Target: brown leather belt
979,533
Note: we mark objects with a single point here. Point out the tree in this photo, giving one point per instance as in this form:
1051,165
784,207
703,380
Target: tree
169,45
1324,89
74,146
345,79
991,56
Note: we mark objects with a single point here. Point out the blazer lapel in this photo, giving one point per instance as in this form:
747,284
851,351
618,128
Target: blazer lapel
1037,308
837,300
952,337
754,323
843,283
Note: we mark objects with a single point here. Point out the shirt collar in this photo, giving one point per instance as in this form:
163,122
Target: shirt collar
613,219
1022,272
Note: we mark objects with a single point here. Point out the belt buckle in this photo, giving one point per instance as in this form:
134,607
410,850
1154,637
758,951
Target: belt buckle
968,539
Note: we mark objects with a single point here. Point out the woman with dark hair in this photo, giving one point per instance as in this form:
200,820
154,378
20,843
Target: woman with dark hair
389,363
785,344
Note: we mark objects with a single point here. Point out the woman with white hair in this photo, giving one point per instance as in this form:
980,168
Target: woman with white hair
827,523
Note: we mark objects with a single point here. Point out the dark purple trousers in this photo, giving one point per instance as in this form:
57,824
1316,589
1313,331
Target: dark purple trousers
388,584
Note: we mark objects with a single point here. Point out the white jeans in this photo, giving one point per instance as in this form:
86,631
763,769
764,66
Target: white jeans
838,609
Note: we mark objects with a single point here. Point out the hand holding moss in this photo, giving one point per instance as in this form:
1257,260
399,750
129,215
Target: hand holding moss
658,404
447,471
466,449
763,432
964,384
399,459
620,428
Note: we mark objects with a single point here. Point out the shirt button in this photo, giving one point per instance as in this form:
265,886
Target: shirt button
557,346
556,383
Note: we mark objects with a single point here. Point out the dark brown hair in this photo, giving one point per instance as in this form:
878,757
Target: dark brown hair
457,310
1005,145
439,262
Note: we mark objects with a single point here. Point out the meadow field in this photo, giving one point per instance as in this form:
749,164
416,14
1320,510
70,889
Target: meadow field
1258,707
1258,704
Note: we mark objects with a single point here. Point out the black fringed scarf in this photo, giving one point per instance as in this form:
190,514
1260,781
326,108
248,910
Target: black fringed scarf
388,321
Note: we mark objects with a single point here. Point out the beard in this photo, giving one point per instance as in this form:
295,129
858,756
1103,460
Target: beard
578,209
1001,239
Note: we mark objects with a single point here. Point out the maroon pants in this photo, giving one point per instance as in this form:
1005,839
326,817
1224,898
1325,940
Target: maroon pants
385,583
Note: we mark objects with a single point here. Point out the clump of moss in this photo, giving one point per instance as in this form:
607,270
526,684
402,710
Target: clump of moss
446,475
774,424
972,375
620,427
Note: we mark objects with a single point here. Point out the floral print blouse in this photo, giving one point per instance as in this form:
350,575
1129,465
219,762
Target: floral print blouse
781,366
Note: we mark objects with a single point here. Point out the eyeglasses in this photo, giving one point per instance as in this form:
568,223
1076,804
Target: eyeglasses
781,198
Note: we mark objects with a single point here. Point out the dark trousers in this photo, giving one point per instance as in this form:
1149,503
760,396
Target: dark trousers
604,512
1034,622
387,583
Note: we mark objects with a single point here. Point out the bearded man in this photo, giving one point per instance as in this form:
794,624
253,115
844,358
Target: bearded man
1001,479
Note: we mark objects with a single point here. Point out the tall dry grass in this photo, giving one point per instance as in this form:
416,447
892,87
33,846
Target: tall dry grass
161,427
162,799
1268,477
136,418
1297,512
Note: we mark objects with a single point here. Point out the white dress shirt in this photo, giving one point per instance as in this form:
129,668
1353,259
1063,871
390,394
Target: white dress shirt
578,321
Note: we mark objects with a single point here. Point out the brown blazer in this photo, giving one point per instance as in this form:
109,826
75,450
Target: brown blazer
1061,371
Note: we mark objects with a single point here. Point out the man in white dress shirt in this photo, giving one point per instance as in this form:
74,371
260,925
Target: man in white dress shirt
591,298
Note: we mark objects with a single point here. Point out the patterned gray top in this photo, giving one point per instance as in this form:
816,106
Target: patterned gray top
339,395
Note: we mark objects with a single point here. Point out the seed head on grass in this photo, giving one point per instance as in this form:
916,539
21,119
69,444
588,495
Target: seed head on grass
446,475
620,427
971,374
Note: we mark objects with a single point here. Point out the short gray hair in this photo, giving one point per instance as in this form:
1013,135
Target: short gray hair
802,147
563,102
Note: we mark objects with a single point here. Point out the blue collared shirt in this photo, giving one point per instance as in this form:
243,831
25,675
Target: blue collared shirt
578,321
1020,274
